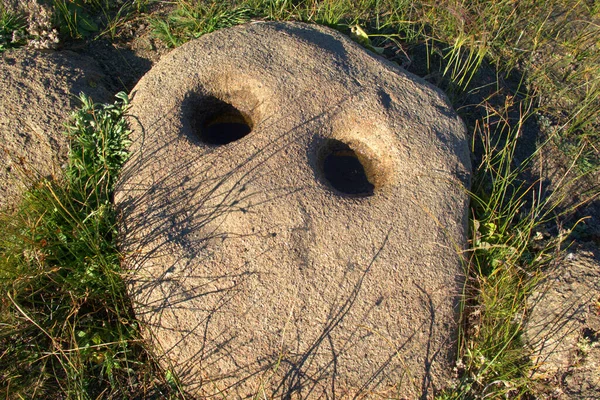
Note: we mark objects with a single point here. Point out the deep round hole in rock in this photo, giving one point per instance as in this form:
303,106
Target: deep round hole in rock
221,123
344,171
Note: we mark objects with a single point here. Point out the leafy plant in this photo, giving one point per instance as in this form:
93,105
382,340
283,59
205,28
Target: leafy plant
66,322
99,145
12,29
74,18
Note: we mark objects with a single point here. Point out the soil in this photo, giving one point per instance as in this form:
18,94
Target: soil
564,327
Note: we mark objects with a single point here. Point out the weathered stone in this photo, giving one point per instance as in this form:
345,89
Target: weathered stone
563,329
273,264
38,93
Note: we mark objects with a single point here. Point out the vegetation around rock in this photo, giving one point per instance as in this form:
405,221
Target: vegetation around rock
523,76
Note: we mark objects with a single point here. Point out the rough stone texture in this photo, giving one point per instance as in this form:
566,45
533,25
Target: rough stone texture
564,328
38,93
253,275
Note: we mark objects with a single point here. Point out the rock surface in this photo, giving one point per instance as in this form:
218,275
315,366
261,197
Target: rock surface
38,93
564,328
317,256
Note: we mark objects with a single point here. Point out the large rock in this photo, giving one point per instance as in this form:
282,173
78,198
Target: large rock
38,92
316,256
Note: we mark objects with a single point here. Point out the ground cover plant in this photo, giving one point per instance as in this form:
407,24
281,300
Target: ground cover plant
512,71
12,29
66,324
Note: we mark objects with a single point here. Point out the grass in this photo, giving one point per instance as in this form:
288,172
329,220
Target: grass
192,20
507,256
12,29
509,69
67,328
79,19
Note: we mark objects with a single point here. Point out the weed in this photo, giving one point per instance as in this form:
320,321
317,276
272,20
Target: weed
12,29
67,324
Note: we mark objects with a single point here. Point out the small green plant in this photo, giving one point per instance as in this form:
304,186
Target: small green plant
84,19
99,144
66,322
75,17
12,29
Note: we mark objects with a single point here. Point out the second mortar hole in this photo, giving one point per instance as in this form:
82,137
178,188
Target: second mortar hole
344,171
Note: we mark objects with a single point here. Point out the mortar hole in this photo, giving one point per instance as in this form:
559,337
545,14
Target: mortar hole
224,128
217,122
344,171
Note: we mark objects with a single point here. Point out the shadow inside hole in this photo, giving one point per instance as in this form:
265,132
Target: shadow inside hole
224,129
218,123
343,170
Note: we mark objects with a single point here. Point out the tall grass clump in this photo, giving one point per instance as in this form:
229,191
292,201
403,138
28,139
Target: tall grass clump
509,250
67,329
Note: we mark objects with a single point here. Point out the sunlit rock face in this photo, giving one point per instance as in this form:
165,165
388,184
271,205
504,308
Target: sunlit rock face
293,217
